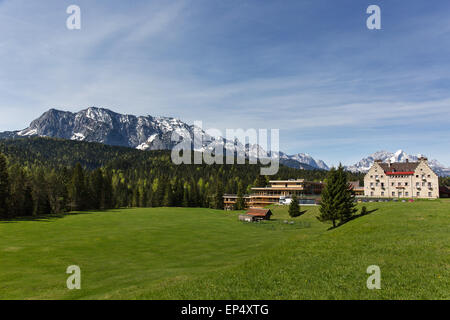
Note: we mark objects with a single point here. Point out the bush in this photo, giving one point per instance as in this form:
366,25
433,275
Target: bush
363,211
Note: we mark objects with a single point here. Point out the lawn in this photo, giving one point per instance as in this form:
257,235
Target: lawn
181,253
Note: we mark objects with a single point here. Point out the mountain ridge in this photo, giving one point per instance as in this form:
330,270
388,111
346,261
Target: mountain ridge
105,126
140,132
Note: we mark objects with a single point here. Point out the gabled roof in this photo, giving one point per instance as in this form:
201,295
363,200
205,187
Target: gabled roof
399,167
258,212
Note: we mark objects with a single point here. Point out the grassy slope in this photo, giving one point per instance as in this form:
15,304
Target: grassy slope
169,253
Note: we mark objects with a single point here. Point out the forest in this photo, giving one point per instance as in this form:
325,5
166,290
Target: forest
40,176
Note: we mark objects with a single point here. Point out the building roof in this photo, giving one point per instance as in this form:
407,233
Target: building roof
399,167
287,181
258,212
354,184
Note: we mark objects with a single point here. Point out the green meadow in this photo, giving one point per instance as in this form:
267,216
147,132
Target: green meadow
194,253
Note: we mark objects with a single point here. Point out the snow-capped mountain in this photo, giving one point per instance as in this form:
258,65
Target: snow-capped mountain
399,156
142,132
302,159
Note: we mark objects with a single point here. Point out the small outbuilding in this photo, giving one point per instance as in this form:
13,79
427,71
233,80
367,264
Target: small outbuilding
259,214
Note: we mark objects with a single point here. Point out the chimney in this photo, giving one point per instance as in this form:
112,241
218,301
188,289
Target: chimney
389,163
423,159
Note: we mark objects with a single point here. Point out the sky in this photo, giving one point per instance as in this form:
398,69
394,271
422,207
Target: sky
311,68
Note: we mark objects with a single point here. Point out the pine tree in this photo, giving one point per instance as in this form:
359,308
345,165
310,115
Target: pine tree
218,197
240,201
260,181
346,197
168,196
294,207
108,201
77,189
328,205
4,187
337,204
97,193
185,202
41,194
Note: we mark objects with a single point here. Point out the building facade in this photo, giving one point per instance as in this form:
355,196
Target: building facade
261,197
401,180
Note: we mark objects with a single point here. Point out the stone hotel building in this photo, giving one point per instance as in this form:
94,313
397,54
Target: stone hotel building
401,180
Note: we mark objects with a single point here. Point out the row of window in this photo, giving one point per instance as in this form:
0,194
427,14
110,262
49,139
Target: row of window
406,184
400,194
417,176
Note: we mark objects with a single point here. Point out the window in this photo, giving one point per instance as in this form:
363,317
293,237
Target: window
429,194
400,193
406,194
399,184
393,193
429,176
417,184
371,194
418,194
371,177
392,184
423,184
417,175
429,184
406,183
382,193
371,184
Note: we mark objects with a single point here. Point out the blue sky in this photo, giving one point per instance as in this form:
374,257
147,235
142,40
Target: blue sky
335,89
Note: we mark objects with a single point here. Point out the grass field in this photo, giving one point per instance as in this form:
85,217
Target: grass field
181,253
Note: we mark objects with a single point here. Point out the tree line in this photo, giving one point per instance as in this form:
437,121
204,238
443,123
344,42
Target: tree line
41,176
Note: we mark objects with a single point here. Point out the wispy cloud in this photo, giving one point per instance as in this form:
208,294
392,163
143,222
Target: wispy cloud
332,87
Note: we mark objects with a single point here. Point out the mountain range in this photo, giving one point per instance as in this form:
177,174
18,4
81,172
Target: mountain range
140,132
154,133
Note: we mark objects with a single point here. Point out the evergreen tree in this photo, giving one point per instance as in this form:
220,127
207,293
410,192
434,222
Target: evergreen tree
294,207
240,201
4,186
160,192
77,189
185,202
108,201
168,196
40,194
346,197
193,194
260,181
97,193
218,197
28,201
337,202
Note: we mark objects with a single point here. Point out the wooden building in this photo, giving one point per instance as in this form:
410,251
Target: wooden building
259,214
357,190
271,194
261,197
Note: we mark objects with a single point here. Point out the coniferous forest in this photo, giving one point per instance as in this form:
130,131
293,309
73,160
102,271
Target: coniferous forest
40,176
